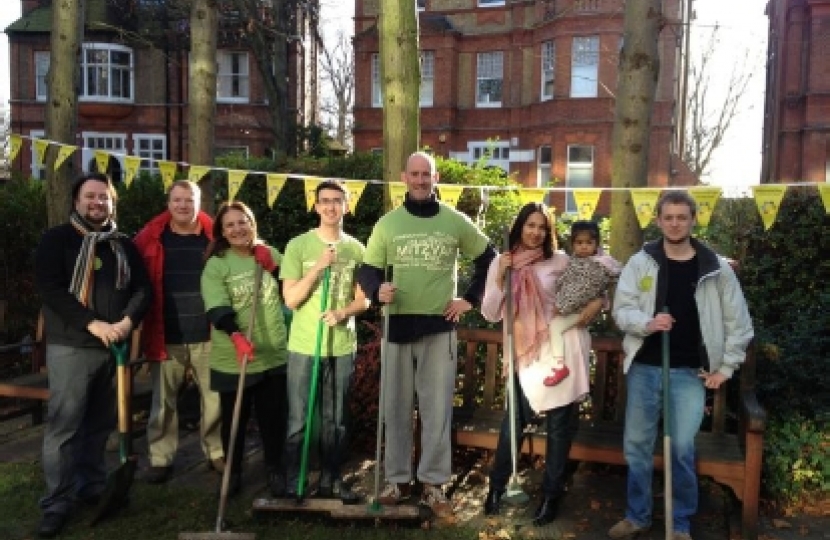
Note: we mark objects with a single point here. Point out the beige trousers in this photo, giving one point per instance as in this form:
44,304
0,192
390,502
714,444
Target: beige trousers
167,379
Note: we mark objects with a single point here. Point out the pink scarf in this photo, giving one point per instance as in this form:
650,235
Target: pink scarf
530,326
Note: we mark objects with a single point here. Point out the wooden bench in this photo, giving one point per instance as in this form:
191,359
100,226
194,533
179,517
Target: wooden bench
25,394
731,455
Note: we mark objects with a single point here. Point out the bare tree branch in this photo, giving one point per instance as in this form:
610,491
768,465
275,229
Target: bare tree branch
337,70
709,119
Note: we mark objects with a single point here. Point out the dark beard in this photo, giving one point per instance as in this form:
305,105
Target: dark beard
677,242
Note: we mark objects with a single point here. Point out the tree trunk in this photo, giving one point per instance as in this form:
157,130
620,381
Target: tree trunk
639,69
204,27
62,108
400,74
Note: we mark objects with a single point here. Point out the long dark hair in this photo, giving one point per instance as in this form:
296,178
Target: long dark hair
515,236
220,244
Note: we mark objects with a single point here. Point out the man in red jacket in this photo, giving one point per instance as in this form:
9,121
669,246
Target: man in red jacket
176,334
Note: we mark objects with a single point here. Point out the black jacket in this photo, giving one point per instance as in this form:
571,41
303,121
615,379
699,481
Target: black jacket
65,317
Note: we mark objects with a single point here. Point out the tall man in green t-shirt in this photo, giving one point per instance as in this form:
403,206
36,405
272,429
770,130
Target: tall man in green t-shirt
306,258
421,241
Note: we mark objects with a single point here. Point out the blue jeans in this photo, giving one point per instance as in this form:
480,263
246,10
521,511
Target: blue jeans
560,426
81,417
334,380
642,418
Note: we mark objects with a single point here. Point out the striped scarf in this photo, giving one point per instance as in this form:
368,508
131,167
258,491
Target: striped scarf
82,275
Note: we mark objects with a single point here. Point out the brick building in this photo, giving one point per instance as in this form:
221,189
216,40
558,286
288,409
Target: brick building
536,77
797,104
134,89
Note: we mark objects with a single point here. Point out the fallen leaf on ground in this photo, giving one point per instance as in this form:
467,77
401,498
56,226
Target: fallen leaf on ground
781,524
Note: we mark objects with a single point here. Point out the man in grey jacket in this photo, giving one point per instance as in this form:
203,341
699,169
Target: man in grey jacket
709,328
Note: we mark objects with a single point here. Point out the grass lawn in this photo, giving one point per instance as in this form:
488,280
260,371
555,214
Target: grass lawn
159,513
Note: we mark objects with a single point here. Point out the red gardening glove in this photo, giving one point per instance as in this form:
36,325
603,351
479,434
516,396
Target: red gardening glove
263,257
243,347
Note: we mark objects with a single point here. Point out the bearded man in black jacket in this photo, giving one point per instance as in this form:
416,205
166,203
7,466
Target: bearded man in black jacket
95,291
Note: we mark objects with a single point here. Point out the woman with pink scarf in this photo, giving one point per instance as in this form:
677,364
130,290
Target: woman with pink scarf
536,266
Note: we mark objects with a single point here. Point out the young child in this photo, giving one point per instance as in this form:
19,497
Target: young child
586,277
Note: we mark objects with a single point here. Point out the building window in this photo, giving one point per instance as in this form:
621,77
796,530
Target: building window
232,77
113,143
490,3
38,170
236,151
427,78
544,164
495,153
42,59
421,5
580,172
548,65
377,96
585,67
489,79
107,72
151,149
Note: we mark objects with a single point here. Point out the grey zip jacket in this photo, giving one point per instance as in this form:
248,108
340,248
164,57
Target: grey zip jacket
724,317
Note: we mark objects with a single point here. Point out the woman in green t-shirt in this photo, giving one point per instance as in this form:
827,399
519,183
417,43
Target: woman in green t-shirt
227,289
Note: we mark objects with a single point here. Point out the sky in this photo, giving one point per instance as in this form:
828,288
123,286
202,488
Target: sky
743,34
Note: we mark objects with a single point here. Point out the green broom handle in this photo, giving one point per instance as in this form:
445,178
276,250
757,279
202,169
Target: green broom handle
312,390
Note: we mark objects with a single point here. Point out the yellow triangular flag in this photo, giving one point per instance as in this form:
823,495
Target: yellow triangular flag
131,164
824,192
196,173
16,142
706,198
645,202
586,202
529,195
235,179
450,193
168,173
355,189
768,198
102,161
397,193
311,184
64,152
275,183
40,150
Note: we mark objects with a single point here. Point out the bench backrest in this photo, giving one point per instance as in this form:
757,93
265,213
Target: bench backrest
481,385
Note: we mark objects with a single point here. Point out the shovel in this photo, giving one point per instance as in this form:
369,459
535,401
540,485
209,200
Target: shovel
116,494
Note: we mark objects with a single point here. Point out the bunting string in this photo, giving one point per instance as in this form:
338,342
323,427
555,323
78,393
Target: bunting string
768,197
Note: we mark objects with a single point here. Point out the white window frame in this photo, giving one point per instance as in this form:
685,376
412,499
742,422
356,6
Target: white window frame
99,70
544,166
489,69
548,69
499,153
114,143
377,92
490,3
585,67
42,60
578,166
427,91
421,5
38,171
151,155
233,83
228,150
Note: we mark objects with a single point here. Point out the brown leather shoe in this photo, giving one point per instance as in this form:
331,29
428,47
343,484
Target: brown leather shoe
393,494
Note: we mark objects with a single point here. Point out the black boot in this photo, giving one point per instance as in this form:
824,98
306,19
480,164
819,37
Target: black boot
492,503
546,512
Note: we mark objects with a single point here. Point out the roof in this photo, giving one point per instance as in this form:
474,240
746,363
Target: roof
39,20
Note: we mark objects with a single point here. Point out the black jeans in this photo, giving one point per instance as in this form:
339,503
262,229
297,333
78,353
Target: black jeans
560,425
269,400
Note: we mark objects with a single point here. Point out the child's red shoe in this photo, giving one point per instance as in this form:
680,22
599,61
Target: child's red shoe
558,376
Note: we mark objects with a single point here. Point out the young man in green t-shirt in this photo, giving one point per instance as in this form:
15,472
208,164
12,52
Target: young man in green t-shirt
303,267
421,241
